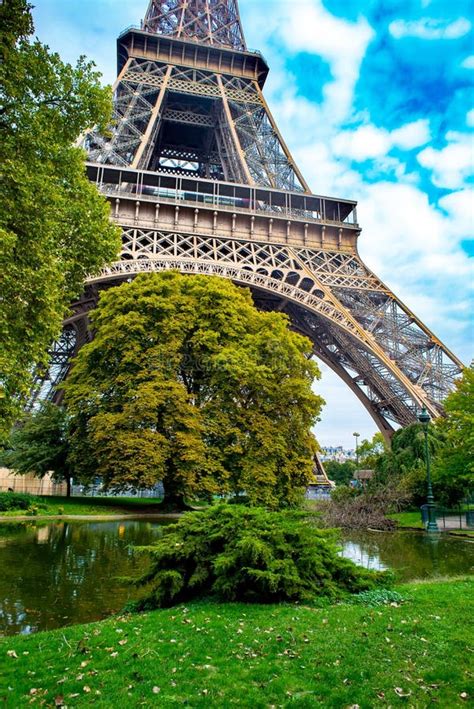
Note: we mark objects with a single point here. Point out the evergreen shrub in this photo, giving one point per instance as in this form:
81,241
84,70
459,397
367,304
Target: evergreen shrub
16,501
235,553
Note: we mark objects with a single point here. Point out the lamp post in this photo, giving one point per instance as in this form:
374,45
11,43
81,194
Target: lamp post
424,419
356,436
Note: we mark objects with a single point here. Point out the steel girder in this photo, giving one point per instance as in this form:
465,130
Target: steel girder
240,127
192,106
332,291
214,22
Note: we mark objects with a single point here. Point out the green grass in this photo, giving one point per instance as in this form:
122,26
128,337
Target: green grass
408,519
413,654
51,506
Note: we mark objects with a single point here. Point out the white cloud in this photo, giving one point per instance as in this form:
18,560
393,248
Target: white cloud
470,118
369,141
468,62
412,135
308,26
429,28
363,143
459,206
452,164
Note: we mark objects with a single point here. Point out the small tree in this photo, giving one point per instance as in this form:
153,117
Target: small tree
188,383
39,445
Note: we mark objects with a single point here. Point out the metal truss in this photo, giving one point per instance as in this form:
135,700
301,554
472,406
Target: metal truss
240,128
356,323
214,22
201,181
45,385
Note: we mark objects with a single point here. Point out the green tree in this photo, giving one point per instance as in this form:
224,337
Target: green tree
453,471
340,473
39,445
54,225
371,451
187,382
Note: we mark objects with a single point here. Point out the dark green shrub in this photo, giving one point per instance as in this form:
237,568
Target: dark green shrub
248,554
16,501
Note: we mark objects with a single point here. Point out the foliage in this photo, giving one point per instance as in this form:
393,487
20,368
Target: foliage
188,383
343,493
16,501
340,473
39,445
54,225
248,554
405,465
370,452
378,597
453,470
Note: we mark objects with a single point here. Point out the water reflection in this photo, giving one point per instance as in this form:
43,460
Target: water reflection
61,573
411,555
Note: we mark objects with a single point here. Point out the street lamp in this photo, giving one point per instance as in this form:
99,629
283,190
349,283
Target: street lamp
356,436
424,419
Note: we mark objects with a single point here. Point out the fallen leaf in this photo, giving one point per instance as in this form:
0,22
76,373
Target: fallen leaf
86,689
156,690
401,693
12,653
463,695
123,642
59,701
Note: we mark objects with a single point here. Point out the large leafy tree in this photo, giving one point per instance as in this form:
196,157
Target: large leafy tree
454,466
39,445
187,382
54,225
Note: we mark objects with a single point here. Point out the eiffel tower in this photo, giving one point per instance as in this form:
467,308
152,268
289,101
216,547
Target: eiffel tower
200,180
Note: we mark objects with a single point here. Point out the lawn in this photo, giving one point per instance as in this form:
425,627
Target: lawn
413,654
408,519
50,506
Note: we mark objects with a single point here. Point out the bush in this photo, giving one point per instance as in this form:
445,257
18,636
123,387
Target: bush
16,501
248,554
378,597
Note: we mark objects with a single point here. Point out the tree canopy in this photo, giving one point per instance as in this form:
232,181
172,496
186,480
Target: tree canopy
188,383
39,445
454,466
54,225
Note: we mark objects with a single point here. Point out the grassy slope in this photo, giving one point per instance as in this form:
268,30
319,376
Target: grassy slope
256,656
91,506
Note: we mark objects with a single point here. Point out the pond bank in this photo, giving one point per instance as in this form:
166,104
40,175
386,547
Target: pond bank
211,654
153,516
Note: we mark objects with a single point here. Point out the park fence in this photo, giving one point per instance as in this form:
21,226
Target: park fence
458,517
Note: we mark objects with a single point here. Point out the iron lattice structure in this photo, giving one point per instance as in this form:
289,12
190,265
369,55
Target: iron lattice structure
200,180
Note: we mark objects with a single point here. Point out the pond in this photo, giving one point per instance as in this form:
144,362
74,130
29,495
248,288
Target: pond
61,573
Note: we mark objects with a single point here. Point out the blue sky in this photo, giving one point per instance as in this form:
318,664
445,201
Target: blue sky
375,100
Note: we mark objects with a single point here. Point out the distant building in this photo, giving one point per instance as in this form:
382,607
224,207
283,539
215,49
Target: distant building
30,483
337,453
